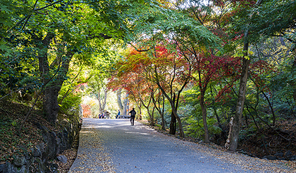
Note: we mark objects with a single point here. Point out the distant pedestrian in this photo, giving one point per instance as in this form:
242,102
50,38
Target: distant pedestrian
133,115
118,114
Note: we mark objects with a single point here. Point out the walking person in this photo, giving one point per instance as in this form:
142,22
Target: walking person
118,114
133,115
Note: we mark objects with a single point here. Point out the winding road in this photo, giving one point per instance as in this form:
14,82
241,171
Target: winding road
108,145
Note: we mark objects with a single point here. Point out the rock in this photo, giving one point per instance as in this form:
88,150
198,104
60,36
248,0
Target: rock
19,161
51,149
36,160
292,158
3,168
269,157
41,166
53,168
66,138
62,158
281,158
243,152
38,125
58,140
63,143
27,155
36,152
58,144
279,154
10,168
41,147
288,154
45,135
22,169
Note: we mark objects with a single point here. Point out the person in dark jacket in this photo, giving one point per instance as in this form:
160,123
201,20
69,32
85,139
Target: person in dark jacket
118,114
133,115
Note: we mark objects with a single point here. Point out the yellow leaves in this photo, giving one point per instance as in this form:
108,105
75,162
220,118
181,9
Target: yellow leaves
242,54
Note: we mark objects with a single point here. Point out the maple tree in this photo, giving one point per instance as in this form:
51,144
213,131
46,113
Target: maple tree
207,66
162,69
171,74
130,77
213,69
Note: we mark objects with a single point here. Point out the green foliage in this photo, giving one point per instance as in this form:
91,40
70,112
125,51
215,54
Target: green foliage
158,24
247,132
195,127
14,123
71,102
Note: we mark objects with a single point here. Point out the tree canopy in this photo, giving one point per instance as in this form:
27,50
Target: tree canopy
209,67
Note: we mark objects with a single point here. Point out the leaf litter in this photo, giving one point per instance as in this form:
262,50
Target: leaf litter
91,156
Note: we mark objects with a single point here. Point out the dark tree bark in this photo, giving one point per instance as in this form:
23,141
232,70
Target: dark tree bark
162,114
157,103
293,83
204,117
203,108
174,101
147,106
173,125
234,134
54,83
232,141
50,104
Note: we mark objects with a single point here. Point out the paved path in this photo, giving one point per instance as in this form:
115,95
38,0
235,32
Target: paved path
115,146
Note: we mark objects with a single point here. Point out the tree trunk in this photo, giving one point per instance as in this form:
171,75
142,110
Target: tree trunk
120,106
234,134
125,105
152,117
181,131
293,83
157,104
173,100
140,110
174,110
162,114
173,124
50,104
204,117
102,102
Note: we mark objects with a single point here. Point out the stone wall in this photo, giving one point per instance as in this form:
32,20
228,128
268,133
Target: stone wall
39,157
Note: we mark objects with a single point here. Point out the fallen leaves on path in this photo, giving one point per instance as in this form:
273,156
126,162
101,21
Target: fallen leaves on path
245,161
91,156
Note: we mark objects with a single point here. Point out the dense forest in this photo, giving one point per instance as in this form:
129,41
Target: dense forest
220,71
